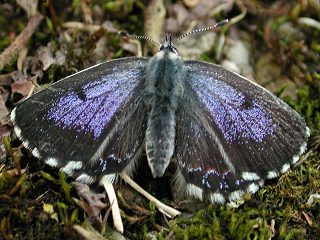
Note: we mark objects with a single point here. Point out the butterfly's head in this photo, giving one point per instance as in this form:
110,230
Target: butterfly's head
168,45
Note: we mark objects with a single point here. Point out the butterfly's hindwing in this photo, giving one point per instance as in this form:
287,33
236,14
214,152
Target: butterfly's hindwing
233,134
81,122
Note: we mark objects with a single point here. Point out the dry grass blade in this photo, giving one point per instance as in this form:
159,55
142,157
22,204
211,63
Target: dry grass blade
117,221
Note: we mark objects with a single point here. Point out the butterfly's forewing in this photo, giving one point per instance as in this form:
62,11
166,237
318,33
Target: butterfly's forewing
233,134
72,123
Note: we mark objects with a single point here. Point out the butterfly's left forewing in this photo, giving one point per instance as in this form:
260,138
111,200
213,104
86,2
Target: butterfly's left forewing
81,123
232,134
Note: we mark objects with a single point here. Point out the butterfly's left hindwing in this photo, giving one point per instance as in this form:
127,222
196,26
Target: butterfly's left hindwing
232,134
81,123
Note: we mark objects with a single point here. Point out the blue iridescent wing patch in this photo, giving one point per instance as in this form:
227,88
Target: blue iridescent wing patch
80,124
233,134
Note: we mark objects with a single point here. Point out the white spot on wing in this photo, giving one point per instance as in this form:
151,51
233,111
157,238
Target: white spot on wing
17,131
26,144
236,195
216,198
307,132
85,178
109,178
253,188
303,148
195,191
13,115
35,152
285,168
272,174
52,162
295,159
71,166
249,176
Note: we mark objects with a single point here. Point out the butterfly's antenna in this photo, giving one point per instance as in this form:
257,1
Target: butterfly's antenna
219,24
126,34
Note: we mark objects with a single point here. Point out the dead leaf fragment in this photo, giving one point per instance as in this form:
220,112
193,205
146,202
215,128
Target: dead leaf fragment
23,87
45,57
93,204
3,109
308,219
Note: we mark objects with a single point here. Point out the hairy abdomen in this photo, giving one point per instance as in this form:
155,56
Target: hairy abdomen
160,138
164,88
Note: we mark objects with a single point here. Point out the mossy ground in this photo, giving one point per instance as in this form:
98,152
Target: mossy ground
36,203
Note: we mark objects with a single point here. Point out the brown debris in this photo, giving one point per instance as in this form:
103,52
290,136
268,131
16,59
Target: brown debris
308,219
3,111
22,86
91,204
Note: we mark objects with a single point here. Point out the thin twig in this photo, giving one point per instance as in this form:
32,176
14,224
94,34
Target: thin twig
165,209
18,44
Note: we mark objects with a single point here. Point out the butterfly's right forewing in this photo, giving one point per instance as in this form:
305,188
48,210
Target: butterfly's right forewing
90,124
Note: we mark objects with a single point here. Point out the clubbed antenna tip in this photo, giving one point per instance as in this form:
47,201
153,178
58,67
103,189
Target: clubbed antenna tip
217,25
223,22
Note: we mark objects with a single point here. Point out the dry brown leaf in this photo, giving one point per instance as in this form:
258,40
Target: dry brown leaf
45,57
22,87
308,219
93,204
3,109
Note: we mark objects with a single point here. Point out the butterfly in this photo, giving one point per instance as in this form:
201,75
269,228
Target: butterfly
226,134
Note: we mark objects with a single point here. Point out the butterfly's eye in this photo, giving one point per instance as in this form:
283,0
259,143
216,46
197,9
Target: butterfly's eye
174,50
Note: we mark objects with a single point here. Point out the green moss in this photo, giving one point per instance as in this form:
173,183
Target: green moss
308,104
222,223
61,182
